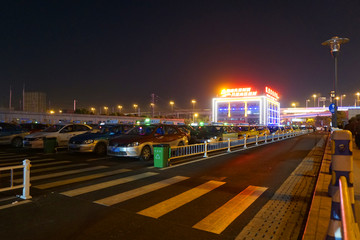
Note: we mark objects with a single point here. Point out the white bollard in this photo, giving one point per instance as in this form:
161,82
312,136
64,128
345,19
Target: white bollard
245,141
265,138
273,136
26,180
229,144
256,140
205,153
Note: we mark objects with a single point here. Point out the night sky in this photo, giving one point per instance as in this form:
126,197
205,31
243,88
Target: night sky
105,53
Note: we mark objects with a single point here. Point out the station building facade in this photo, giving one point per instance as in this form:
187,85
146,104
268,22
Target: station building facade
247,106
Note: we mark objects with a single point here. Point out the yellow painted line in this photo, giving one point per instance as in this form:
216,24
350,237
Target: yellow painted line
171,204
221,218
139,191
78,191
80,179
59,174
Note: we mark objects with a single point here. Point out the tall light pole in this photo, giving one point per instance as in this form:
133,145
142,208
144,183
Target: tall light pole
193,103
357,100
152,105
293,105
195,116
334,44
120,108
341,98
106,110
314,96
306,102
92,110
135,107
172,105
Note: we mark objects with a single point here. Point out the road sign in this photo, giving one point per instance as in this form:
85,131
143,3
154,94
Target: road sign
332,108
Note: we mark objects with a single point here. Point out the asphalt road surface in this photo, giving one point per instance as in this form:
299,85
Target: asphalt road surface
84,196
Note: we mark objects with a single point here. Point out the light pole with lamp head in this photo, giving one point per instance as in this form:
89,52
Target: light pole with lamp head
357,100
306,102
334,44
314,96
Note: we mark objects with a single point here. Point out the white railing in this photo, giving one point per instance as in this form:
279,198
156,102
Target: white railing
349,228
205,148
26,179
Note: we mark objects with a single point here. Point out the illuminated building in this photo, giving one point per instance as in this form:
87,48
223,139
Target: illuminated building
247,106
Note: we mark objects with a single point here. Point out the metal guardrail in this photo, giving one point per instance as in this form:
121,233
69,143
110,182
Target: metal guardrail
349,228
26,179
205,148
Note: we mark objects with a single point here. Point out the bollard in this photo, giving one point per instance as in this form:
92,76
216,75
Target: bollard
26,176
341,165
205,153
245,141
229,144
256,140
273,135
265,138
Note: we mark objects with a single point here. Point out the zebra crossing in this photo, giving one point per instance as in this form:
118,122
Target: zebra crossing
84,180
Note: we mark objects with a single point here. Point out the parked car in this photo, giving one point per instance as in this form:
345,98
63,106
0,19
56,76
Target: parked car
12,134
62,133
97,142
34,127
248,131
139,141
214,134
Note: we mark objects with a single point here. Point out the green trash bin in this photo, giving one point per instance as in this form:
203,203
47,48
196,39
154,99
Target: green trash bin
49,144
161,155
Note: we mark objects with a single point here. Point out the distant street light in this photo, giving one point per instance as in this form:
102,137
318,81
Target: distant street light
172,105
294,105
135,107
306,102
92,109
314,96
193,103
334,44
357,100
152,108
341,99
195,116
106,110
120,108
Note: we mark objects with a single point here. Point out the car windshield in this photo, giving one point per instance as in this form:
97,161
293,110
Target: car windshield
54,128
141,130
108,129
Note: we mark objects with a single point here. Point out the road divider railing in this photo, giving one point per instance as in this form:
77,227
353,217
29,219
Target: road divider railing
349,228
26,179
207,147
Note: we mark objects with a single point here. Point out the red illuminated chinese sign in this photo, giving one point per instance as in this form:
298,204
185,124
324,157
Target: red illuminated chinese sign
238,92
271,93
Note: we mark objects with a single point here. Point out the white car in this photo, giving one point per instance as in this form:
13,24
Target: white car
62,133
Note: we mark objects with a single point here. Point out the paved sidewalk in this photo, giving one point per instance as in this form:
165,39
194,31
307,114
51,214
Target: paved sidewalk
319,215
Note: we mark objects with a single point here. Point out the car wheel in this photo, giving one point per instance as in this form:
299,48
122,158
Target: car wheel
100,149
17,142
145,153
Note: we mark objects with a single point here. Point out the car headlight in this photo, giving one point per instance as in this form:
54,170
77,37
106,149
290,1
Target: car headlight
133,144
88,141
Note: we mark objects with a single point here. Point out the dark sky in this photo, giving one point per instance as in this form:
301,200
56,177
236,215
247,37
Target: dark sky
120,52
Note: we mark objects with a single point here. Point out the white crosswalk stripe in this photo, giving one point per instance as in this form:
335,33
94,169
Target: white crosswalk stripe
91,188
59,174
118,198
80,179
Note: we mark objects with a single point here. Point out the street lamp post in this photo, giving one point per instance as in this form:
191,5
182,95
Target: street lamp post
357,100
135,107
120,108
152,105
294,105
334,44
306,102
106,110
193,103
314,96
92,110
172,105
341,99
195,116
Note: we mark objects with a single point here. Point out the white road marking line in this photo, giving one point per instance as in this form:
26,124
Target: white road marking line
45,169
47,164
14,204
80,179
173,203
139,191
221,218
91,188
32,161
96,159
58,174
